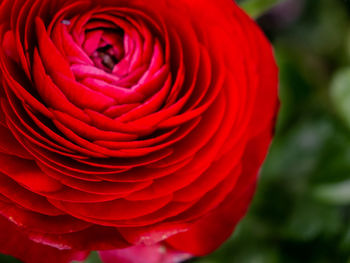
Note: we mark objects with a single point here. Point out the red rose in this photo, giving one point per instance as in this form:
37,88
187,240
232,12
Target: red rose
129,124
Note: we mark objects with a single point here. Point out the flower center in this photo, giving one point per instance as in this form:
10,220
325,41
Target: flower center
106,57
109,51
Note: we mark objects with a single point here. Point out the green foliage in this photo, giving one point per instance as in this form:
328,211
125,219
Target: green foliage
255,8
338,193
8,259
340,94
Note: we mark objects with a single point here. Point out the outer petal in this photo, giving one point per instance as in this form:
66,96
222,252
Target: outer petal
211,231
15,243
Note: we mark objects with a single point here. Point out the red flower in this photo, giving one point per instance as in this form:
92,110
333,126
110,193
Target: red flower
129,124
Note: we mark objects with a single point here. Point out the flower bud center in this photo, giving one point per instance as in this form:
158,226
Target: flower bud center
106,56
110,50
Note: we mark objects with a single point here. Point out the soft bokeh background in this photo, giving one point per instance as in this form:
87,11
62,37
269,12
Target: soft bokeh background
301,211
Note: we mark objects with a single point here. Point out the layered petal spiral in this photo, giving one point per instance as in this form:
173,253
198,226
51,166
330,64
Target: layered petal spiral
129,125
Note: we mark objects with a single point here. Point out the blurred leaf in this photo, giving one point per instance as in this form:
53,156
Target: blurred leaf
8,259
340,94
347,45
256,8
345,244
310,220
338,193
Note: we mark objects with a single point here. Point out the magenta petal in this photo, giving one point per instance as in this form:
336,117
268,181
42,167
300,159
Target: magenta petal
140,254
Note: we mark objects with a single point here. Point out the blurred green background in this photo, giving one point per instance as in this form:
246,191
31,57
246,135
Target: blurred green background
301,211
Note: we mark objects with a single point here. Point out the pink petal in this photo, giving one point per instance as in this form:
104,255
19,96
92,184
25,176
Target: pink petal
140,254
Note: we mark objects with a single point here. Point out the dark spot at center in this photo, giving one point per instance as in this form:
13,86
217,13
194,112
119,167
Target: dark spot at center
107,56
